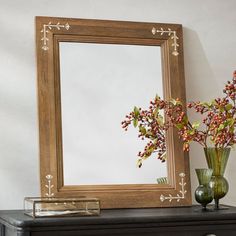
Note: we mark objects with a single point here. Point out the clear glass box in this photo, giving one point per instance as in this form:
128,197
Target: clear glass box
51,207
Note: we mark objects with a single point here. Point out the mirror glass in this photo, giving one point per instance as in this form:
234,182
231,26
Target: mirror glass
100,84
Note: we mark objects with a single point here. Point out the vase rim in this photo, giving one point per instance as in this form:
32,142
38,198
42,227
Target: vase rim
217,148
203,169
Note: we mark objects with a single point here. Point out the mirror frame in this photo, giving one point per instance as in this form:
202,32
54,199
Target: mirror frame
50,31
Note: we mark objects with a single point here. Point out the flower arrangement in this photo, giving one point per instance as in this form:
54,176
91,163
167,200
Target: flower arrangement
216,128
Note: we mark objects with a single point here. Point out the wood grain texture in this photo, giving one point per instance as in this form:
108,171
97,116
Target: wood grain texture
49,100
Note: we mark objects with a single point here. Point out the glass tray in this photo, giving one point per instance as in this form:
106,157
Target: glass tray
52,207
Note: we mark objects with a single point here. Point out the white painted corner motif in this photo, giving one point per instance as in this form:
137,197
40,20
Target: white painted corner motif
49,186
173,35
45,30
179,196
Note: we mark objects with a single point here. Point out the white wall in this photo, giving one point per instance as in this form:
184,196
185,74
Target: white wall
209,37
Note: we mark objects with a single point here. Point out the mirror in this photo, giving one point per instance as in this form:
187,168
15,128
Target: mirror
91,73
104,92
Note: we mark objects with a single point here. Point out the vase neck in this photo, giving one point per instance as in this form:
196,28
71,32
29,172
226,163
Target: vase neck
217,159
204,176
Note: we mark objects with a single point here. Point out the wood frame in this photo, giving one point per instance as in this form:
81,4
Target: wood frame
49,32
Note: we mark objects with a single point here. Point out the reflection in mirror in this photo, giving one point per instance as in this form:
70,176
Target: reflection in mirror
97,90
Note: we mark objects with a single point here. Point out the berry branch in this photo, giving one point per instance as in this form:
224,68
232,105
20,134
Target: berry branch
217,127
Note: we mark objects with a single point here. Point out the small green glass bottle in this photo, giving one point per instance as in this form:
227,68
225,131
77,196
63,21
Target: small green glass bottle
204,193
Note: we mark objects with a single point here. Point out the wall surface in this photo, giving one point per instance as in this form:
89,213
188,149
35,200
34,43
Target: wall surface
209,44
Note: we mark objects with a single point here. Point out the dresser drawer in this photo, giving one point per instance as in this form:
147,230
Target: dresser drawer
2,231
201,230
218,230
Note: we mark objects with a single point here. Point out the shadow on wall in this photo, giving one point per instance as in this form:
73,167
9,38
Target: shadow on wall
199,78
202,84
19,174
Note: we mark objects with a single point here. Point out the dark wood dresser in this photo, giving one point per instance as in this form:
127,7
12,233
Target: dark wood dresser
184,221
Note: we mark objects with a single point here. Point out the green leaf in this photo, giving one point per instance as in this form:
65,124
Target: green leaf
135,122
192,132
149,134
228,107
179,126
176,102
207,104
231,129
139,163
150,150
155,112
136,112
231,121
221,126
157,97
160,121
142,130
221,108
195,124
173,101
155,140
185,119
147,154
213,102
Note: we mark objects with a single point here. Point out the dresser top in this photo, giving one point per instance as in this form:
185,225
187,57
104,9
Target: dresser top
17,218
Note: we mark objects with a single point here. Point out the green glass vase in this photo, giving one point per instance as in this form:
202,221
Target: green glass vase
204,193
217,159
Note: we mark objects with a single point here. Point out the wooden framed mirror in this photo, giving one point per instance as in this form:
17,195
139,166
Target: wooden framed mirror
90,74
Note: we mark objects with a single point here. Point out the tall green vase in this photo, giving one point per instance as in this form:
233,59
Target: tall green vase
217,159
